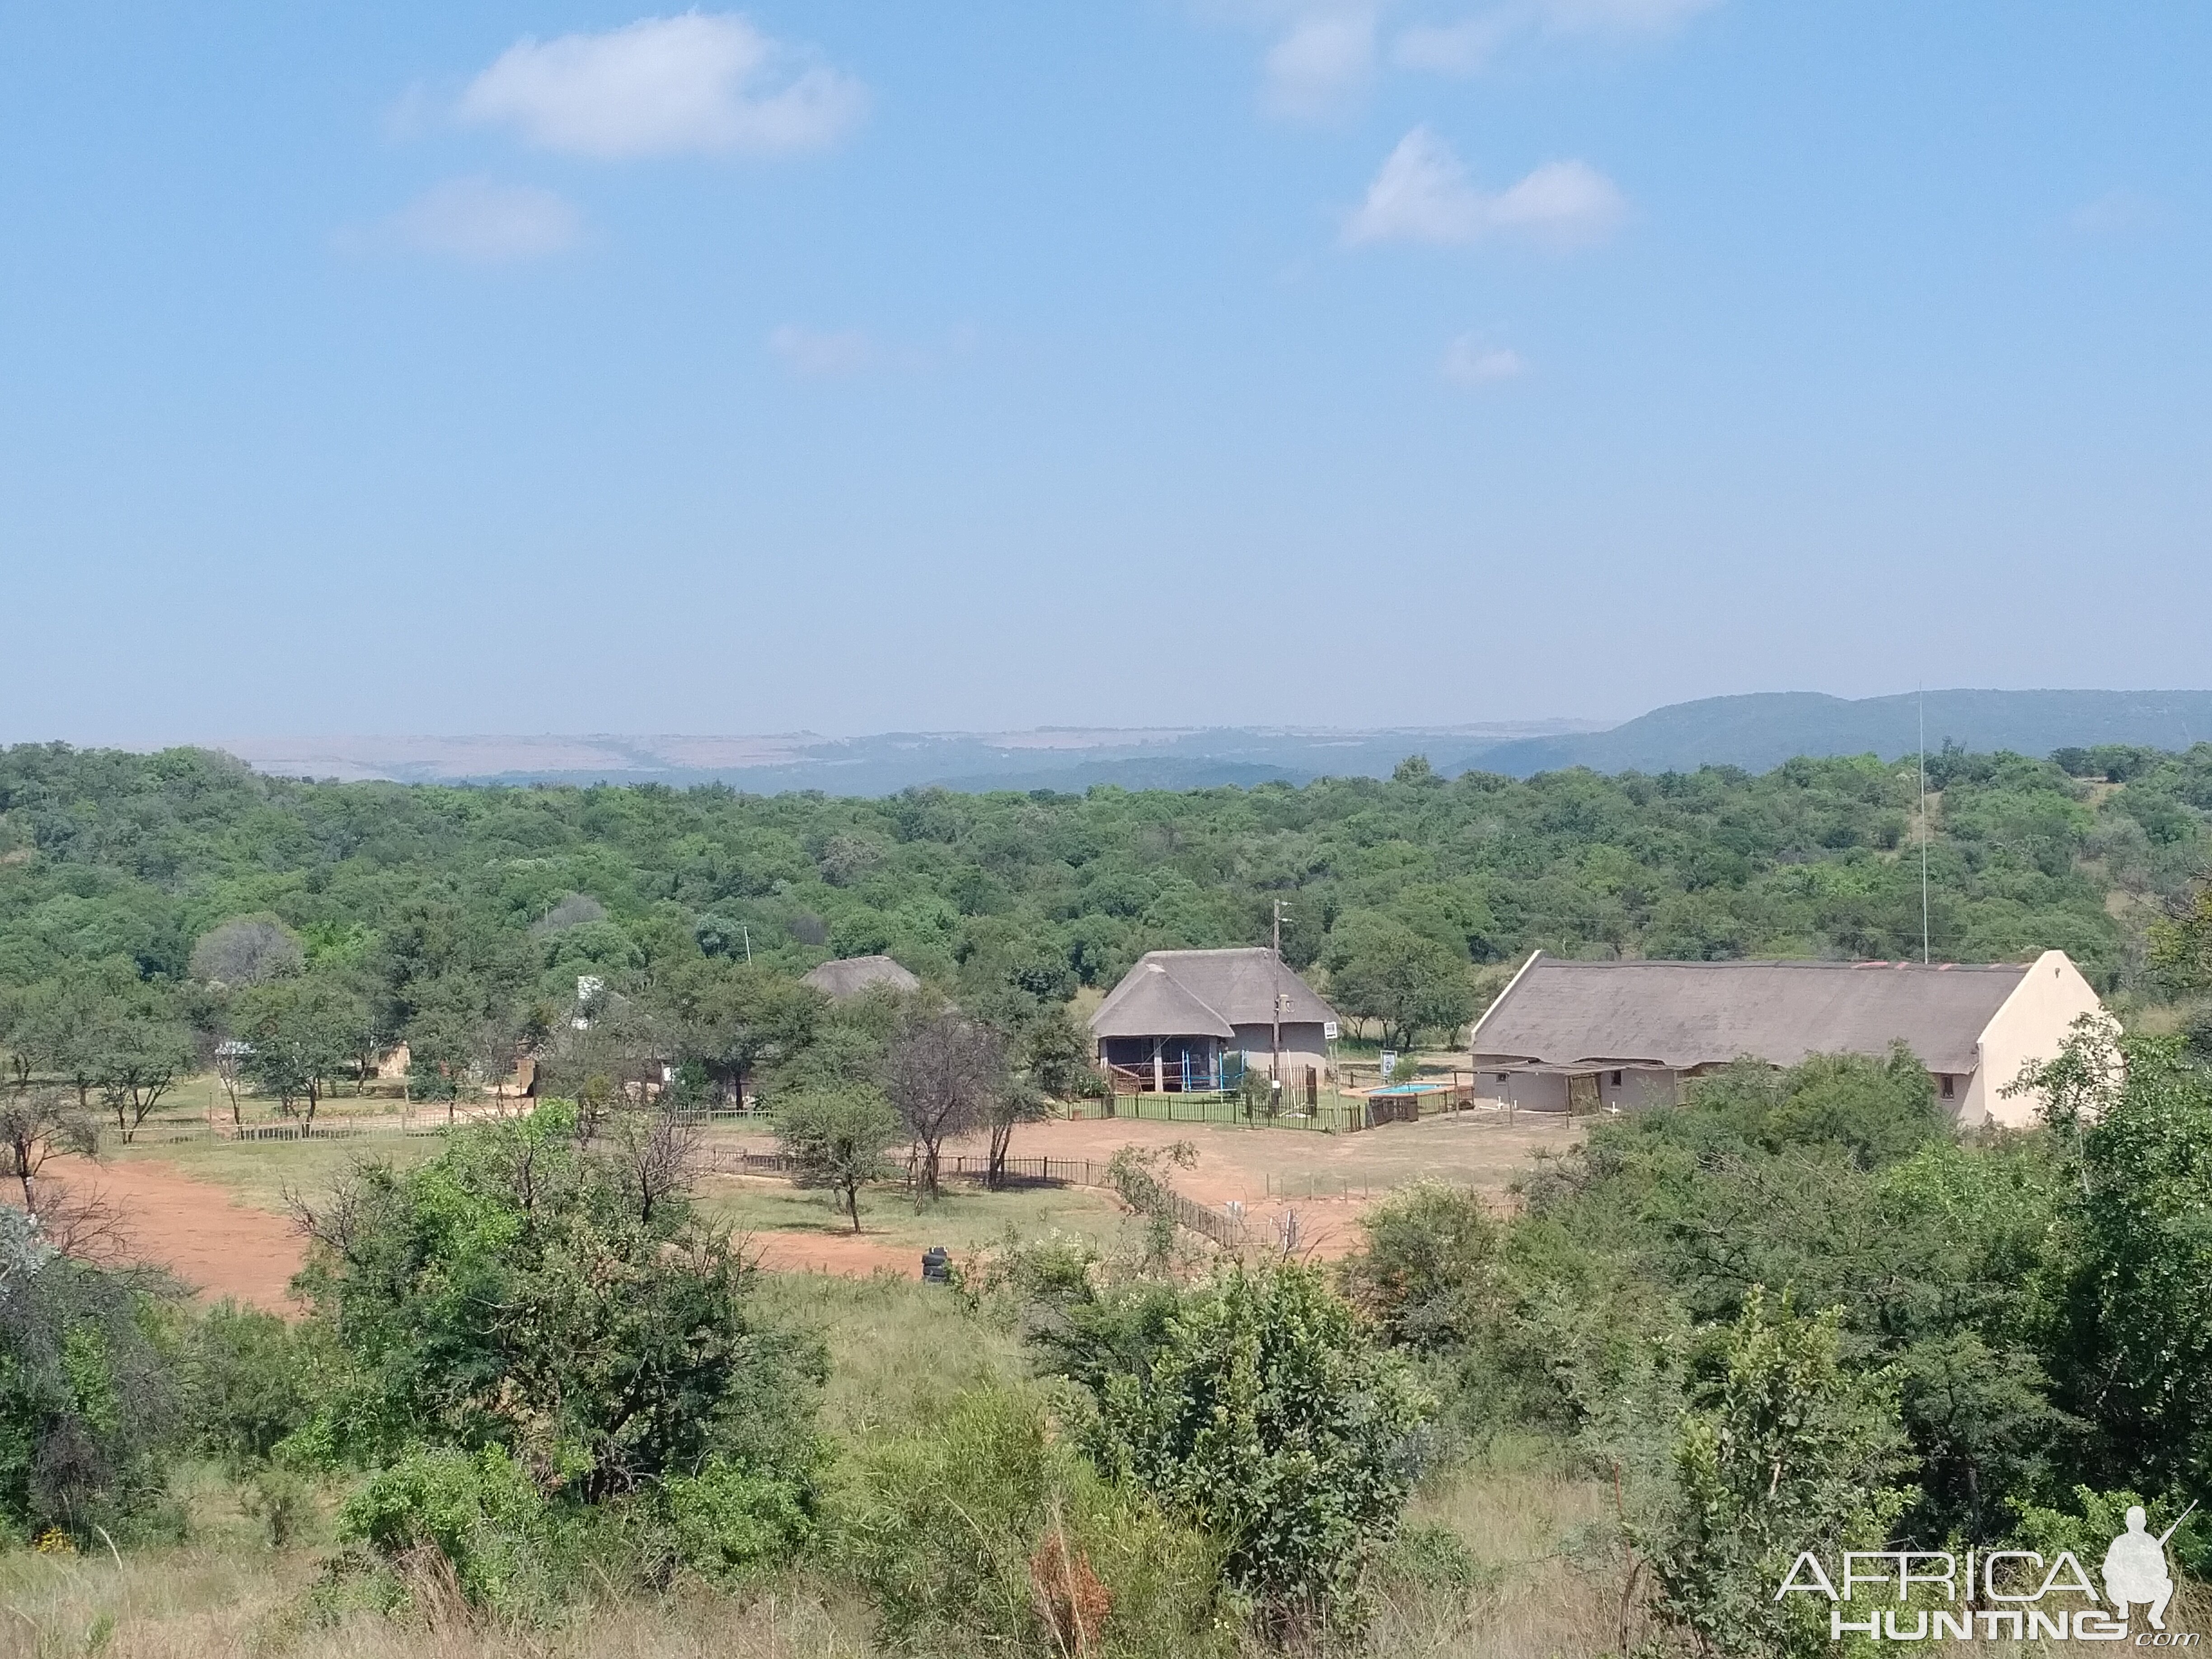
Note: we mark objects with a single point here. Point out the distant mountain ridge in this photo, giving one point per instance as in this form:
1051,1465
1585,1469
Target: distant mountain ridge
1065,758
1757,731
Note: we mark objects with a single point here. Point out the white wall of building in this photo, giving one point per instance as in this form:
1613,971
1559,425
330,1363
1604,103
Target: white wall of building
2026,1030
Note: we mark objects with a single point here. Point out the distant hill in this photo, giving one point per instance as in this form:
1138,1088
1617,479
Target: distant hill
1060,759
1759,731
1756,732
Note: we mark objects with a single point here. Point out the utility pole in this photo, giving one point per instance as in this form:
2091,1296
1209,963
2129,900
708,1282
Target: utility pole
1923,826
1275,1060
747,932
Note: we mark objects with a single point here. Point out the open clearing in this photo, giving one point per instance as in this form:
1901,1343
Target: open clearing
213,1213
215,1242
1328,1179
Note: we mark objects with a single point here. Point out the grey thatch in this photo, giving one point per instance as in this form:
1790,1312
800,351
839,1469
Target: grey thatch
851,975
1206,993
1593,1015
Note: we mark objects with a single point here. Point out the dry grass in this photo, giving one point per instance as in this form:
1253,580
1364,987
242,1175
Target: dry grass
208,1601
261,1172
962,1218
1549,1579
1546,1584
900,1351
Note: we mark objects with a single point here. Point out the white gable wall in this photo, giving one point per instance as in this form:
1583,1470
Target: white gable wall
2026,1030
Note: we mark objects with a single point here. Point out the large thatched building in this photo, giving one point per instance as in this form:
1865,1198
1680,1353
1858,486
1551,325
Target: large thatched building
1586,1036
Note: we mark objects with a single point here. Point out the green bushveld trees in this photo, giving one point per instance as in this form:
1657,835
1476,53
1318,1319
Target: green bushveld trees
1782,1450
1261,1411
838,1139
518,1305
86,1398
304,1032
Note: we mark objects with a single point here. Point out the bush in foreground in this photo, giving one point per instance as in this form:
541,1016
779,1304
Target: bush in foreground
542,1355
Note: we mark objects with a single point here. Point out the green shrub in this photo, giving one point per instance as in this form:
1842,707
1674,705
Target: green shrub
1425,1274
87,1399
546,1360
724,1520
1785,1450
481,1511
521,1290
2103,1517
1433,1558
966,1532
1266,1414
248,1380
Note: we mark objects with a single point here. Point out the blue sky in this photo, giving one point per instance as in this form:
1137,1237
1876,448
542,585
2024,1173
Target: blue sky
484,367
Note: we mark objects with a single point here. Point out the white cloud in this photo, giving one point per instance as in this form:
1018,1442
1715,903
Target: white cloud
1566,203
661,86
1469,46
1324,61
1452,48
1423,195
477,220
1469,362
818,354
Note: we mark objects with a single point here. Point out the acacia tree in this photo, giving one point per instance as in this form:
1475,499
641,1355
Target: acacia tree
62,1028
944,1072
731,1018
837,1138
1381,970
101,1036
304,1033
138,1061
36,1125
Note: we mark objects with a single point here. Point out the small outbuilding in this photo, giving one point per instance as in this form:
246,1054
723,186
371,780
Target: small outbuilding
1189,1020
850,977
1585,1035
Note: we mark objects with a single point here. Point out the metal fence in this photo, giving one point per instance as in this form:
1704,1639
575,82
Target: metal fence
1331,1113
1016,1171
183,1134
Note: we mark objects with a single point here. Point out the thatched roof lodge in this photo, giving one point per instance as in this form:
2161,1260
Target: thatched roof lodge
850,977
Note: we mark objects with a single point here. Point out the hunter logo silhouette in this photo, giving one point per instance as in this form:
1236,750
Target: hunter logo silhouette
2135,1569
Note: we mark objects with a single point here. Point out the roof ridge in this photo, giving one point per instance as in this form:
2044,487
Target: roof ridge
1854,965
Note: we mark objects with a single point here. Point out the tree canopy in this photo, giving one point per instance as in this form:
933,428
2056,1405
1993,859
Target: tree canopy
466,918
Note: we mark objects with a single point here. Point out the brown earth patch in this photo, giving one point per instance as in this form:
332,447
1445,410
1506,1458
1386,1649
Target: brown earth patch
827,1253
216,1245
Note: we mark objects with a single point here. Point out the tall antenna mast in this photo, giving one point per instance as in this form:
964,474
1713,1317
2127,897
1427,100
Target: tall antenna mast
1923,825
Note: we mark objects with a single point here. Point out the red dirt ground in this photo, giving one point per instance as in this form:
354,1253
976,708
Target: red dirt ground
196,1230
825,1253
